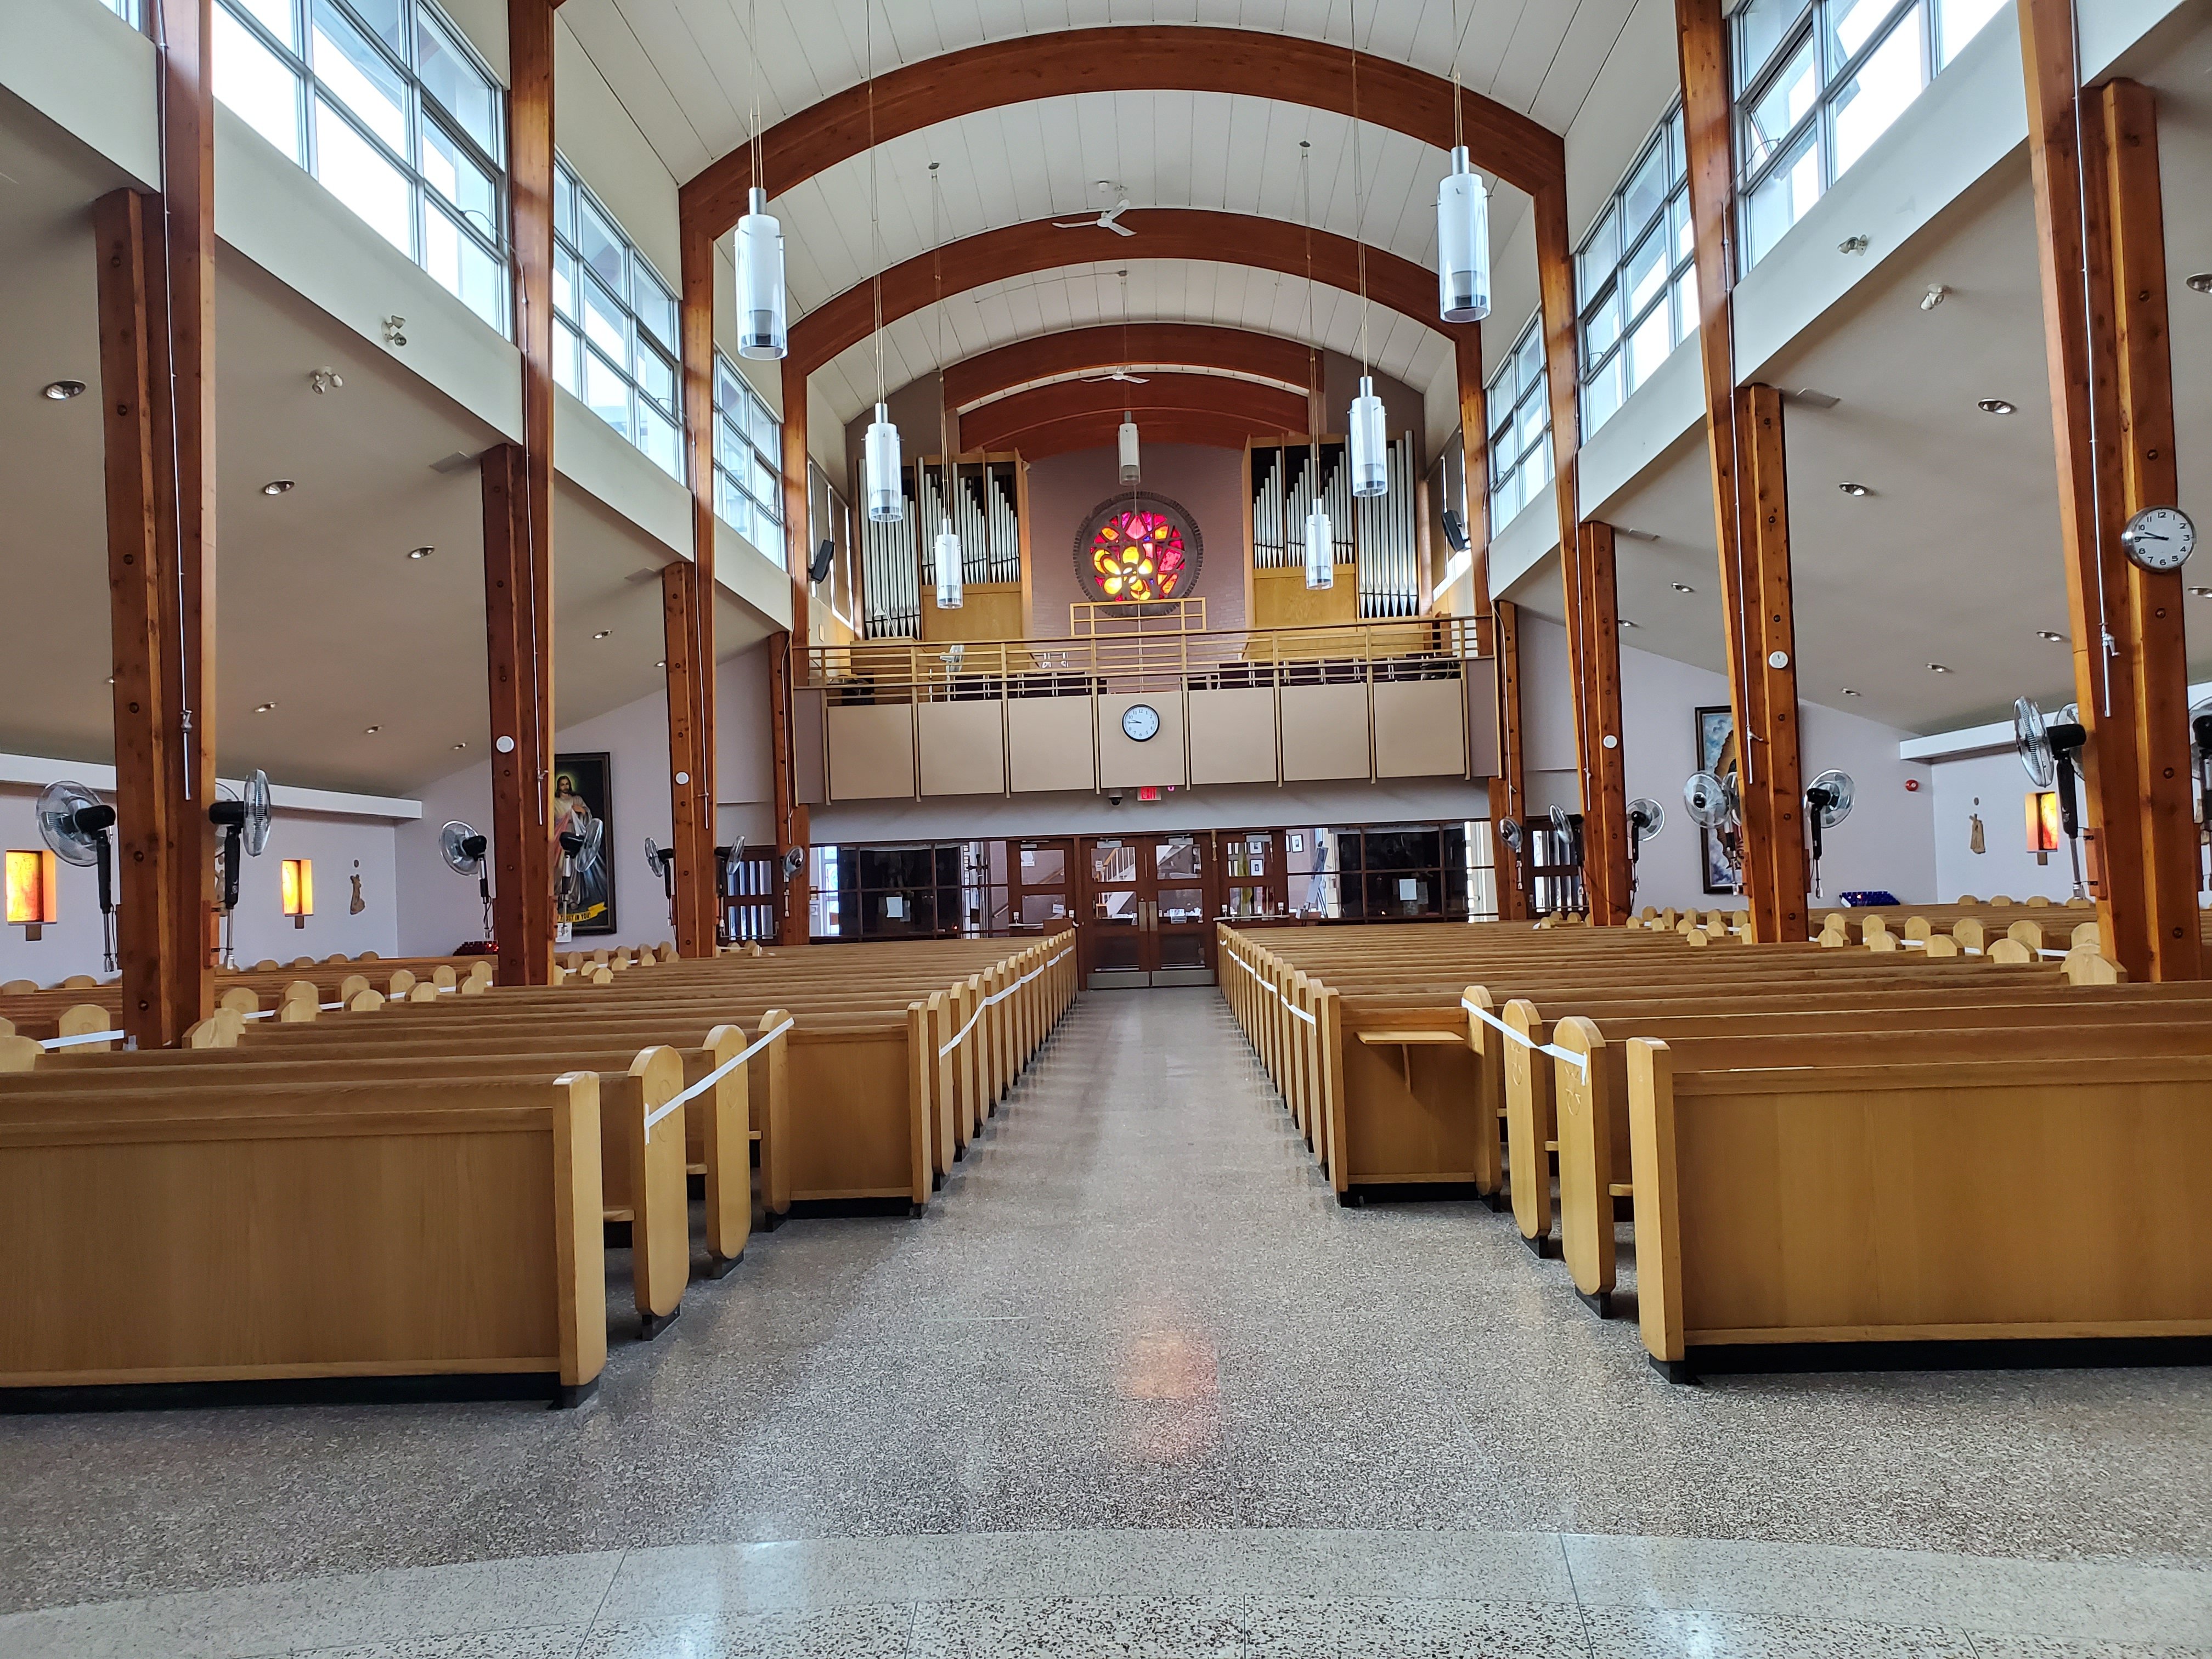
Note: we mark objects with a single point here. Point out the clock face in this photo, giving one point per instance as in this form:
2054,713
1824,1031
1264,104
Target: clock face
2160,537
1140,722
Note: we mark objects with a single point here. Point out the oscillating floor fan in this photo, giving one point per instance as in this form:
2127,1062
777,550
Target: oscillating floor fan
468,853
74,822
1714,805
1646,818
2047,750
1827,804
661,861
245,820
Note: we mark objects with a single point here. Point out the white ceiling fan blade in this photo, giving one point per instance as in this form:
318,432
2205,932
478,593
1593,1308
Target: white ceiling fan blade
1135,380
1107,223
1073,224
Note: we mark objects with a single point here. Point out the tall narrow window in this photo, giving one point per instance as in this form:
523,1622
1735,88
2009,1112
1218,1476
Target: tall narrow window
615,343
1818,82
748,461
1636,277
1520,428
385,103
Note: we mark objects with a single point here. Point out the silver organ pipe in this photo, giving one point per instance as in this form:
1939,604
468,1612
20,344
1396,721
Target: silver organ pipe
1390,541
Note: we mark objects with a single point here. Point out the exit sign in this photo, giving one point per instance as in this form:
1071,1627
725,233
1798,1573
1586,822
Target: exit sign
1148,792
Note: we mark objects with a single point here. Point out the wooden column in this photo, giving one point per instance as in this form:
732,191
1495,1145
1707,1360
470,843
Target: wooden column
695,911
1507,799
517,505
1589,639
687,594
2100,244
1743,429
142,588
795,926
517,653
1605,792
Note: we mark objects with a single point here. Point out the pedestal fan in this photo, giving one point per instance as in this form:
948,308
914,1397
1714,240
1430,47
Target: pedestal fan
74,822
1827,804
2047,750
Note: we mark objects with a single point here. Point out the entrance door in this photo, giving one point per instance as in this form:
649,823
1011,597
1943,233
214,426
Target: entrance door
1146,919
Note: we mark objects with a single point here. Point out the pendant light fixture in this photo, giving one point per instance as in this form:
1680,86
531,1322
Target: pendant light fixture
1368,452
944,554
1462,223
880,464
1126,437
762,333
1320,535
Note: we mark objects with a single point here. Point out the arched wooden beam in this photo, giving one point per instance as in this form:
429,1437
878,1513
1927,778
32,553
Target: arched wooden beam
997,425
1086,350
991,256
1133,57
1203,428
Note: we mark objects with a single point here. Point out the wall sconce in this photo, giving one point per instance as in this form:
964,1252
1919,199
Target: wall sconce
33,891
298,890
2043,823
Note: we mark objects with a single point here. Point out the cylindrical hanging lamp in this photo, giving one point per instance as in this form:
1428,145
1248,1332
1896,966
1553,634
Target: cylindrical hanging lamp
947,556
1462,244
879,465
1321,549
761,333
1370,456
1128,438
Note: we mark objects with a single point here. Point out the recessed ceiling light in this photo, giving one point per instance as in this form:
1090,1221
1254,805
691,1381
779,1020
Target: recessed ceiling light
276,486
420,552
62,391
1996,406
1938,668
663,663
2200,592
1850,487
1851,691
263,707
1683,587
370,731
603,633
459,746
2046,634
2201,281
1628,623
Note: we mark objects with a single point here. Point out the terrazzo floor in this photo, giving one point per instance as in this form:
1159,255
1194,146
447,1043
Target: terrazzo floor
1136,1384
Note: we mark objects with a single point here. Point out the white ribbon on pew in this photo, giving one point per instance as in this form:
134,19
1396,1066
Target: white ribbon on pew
716,1075
1300,1012
1580,1062
50,1043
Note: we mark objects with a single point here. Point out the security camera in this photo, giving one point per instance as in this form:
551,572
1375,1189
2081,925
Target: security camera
1113,797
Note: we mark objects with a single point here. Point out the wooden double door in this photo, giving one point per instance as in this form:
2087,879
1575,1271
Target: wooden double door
1148,902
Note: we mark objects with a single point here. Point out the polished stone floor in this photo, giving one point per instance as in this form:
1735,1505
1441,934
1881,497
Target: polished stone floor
1136,1384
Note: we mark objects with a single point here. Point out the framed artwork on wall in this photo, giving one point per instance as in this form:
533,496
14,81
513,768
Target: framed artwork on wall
584,877
1716,754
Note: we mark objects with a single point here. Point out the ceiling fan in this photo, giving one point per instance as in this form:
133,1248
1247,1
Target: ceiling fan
1118,374
1109,220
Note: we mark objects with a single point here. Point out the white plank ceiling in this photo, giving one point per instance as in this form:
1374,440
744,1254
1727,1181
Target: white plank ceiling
684,69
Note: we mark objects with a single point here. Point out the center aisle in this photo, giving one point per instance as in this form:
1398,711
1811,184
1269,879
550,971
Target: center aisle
1134,1306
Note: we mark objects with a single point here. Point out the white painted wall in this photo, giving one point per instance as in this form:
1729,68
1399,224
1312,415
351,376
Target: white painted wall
438,909
334,842
1889,841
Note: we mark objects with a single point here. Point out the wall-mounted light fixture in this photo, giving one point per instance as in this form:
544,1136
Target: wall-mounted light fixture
298,890
33,891
2043,826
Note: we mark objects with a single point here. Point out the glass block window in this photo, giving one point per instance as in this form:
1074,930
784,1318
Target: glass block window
1636,277
1520,428
615,343
384,102
748,462
1818,82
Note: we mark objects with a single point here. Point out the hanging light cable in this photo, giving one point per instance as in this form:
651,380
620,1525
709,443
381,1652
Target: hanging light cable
1370,468
1462,221
880,463
1320,535
1126,437
763,332
945,554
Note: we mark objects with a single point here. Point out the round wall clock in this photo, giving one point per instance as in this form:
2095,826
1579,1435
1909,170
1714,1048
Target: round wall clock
2160,538
1141,722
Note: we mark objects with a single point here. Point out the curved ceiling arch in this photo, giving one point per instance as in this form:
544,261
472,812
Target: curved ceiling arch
1235,239
1087,350
1127,57
1202,428
1000,425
